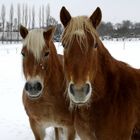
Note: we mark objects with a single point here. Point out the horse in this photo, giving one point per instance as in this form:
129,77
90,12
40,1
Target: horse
43,93
103,92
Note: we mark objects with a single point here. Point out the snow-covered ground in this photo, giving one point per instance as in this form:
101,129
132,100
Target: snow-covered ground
14,123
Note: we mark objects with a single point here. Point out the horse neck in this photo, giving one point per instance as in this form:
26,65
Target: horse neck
105,68
112,76
104,60
55,80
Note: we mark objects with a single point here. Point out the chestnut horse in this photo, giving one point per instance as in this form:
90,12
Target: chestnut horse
104,92
45,84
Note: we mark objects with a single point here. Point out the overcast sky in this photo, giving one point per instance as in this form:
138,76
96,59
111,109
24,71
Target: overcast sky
112,10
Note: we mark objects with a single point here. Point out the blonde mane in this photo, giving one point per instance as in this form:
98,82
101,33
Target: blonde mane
76,30
35,42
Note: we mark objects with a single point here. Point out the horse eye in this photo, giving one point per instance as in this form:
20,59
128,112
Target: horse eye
46,54
96,45
63,45
23,54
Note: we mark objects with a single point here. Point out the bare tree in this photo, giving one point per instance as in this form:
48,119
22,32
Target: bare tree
23,13
47,14
18,18
127,24
11,20
39,17
26,15
42,15
52,21
33,17
3,12
29,23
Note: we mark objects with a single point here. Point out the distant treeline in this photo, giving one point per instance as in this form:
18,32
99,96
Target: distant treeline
31,18
28,16
126,29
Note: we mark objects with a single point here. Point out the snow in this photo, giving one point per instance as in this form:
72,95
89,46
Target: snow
14,123
127,51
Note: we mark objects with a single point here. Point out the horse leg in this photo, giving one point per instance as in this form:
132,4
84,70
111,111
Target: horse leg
57,133
39,132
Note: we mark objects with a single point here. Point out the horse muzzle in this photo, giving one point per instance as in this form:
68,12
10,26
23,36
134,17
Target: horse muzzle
33,89
79,94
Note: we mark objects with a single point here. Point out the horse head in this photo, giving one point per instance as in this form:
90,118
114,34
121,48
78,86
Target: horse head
80,42
36,58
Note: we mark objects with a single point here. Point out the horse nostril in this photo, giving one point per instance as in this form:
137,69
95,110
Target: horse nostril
87,88
28,86
71,88
33,87
38,86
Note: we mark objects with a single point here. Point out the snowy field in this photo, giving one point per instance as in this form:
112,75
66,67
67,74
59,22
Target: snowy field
14,123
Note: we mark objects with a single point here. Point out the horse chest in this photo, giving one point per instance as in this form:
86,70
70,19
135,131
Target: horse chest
48,112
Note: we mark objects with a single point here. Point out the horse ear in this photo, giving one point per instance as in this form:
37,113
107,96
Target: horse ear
48,35
96,17
23,31
65,16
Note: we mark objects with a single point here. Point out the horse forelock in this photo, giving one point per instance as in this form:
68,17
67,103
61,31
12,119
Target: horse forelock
35,42
76,29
